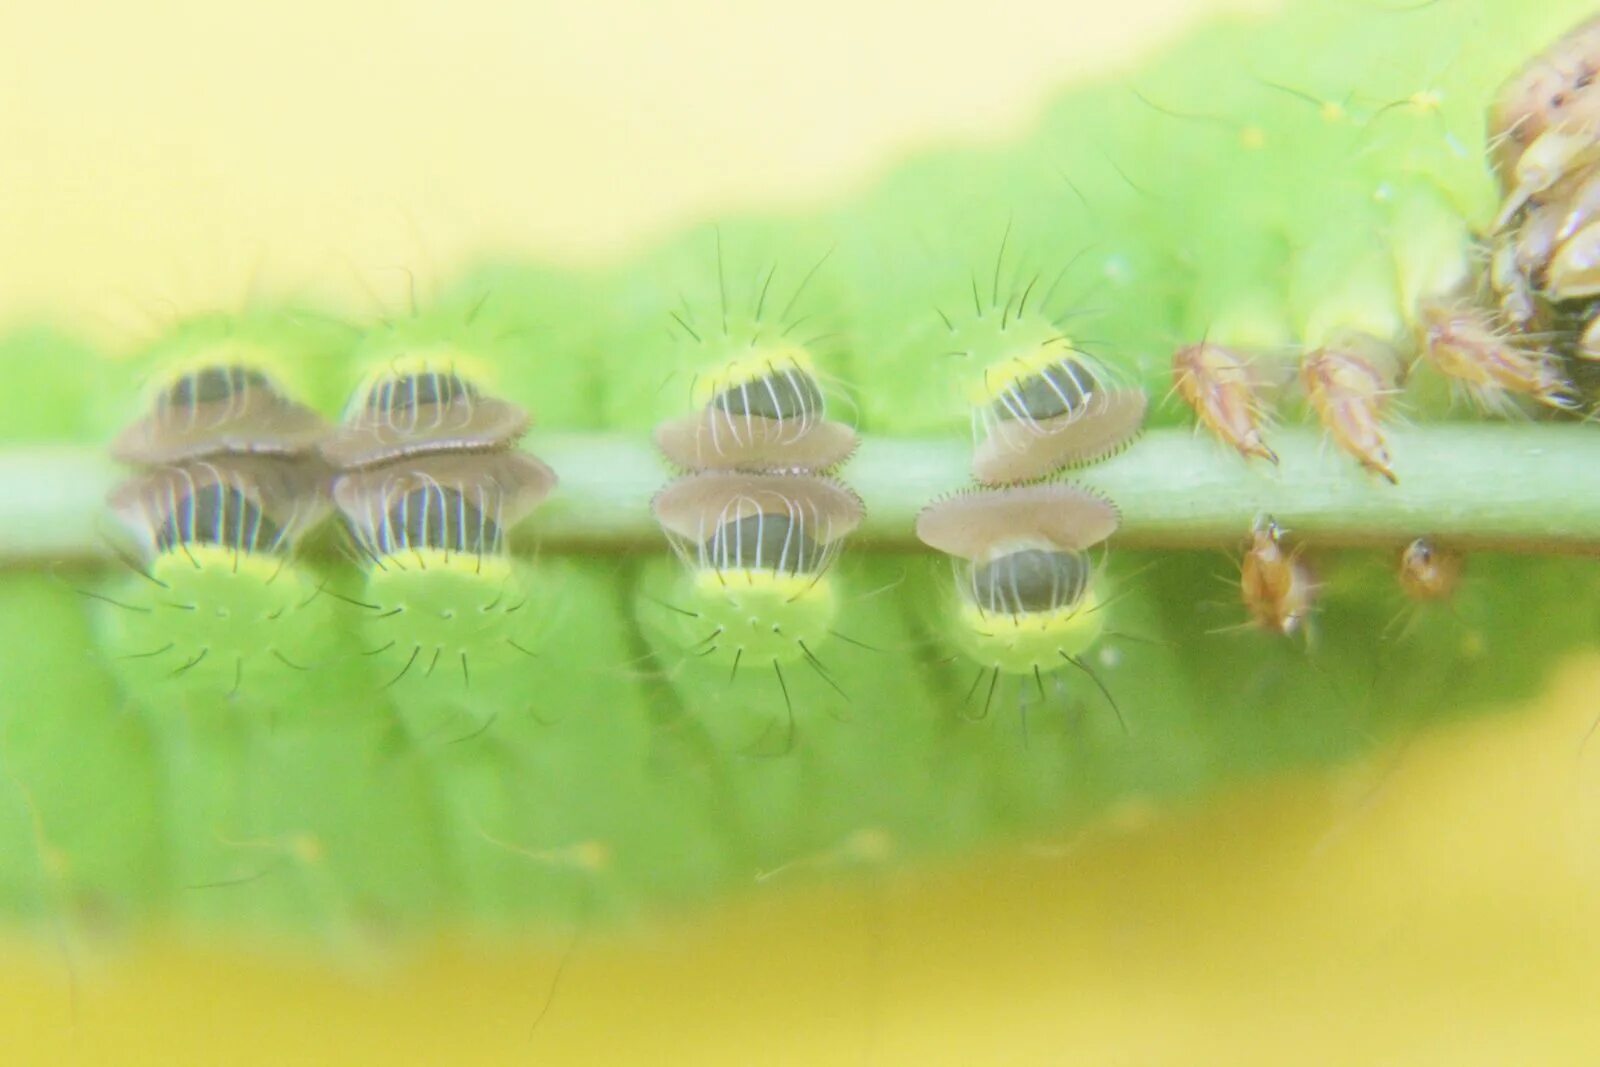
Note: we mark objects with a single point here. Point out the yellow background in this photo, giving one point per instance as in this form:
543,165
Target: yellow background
1438,905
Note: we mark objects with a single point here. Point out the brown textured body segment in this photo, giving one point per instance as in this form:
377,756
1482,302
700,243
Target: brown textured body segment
1220,386
1555,90
1428,572
1544,127
1015,451
984,523
696,505
1463,344
419,412
1277,587
282,495
1348,387
709,441
458,502
216,410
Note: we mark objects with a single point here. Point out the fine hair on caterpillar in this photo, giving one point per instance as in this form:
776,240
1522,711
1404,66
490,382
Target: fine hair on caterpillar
430,483
749,525
1039,402
218,384
1057,408
226,407
217,598
441,585
439,622
231,482
757,395
755,589
448,510
421,403
246,505
763,413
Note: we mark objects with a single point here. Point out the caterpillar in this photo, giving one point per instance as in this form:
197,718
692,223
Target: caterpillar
616,764
1030,609
759,410
745,629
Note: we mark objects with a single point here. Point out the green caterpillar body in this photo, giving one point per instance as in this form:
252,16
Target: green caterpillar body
1269,185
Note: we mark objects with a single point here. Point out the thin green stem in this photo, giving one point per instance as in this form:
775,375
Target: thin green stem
1522,488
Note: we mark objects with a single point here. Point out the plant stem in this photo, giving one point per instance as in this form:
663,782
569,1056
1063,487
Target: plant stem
1520,488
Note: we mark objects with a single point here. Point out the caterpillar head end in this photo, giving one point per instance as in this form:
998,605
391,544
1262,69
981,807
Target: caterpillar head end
712,440
226,404
980,525
757,549
1025,599
445,505
1051,408
761,412
421,405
